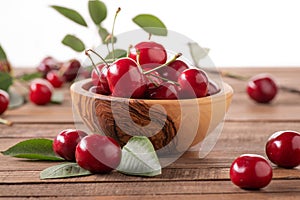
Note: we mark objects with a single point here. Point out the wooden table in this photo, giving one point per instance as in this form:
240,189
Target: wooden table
246,129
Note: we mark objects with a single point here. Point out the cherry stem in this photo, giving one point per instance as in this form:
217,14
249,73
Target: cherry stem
149,37
138,62
97,54
6,122
94,66
163,65
112,33
288,89
128,50
164,79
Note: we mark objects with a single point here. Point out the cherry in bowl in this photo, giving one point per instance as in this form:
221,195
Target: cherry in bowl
251,171
283,148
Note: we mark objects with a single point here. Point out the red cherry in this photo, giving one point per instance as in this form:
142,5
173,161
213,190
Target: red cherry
40,91
212,89
4,101
283,149
98,153
55,79
125,79
66,141
100,80
173,70
48,64
193,83
251,171
164,91
151,54
70,69
153,79
262,88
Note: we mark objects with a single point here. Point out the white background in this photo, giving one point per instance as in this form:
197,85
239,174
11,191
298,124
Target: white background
238,32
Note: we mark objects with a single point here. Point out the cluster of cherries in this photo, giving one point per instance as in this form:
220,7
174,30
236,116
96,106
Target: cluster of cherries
146,73
252,171
96,153
55,74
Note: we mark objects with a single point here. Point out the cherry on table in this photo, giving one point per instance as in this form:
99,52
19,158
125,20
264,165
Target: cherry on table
125,79
47,64
251,171
4,101
193,83
98,153
283,148
164,91
40,91
70,69
262,88
65,143
151,54
55,79
173,70
99,79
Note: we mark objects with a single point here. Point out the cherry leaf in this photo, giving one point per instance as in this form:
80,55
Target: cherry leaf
36,149
97,10
103,34
70,14
5,80
197,52
139,158
118,53
2,54
57,97
64,170
74,43
15,99
151,24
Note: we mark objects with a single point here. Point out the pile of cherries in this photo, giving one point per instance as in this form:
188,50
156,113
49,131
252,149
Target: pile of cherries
252,171
96,153
146,73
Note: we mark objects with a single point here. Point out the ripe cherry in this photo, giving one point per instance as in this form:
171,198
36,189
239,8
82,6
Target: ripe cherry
164,91
193,83
99,78
55,79
98,153
262,88
173,70
4,101
65,143
70,69
212,89
40,91
153,79
251,171
151,54
48,64
283,149
125,79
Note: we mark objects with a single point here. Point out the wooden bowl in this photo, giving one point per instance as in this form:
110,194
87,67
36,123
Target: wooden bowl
173,126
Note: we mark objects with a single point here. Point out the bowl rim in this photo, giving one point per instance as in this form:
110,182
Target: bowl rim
225,90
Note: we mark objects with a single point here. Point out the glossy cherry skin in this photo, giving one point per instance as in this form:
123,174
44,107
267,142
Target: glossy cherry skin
65,143
126,80
48,64
99,78
151,54
153,79
262,88
212,89
173,70
70,70
4,101
164,91
55,79
283,149
98,153
193,83
251,171
40,91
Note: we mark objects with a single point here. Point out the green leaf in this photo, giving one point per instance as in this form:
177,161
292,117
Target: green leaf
15,99
197,52
119,53
139,158
5,81
37,149
57,97
63,171
98,11
2,54
103,34
74,43
70,14
151,24
30,76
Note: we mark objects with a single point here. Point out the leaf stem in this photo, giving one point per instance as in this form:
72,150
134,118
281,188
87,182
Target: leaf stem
163,65
6,122
112,33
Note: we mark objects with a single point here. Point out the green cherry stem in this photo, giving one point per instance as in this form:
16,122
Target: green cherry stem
93,64
163,65
6,122
112,33
164,79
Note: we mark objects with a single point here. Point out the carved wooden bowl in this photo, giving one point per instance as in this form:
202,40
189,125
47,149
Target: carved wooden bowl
172,125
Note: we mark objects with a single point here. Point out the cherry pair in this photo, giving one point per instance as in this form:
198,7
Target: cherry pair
251,171
96,153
